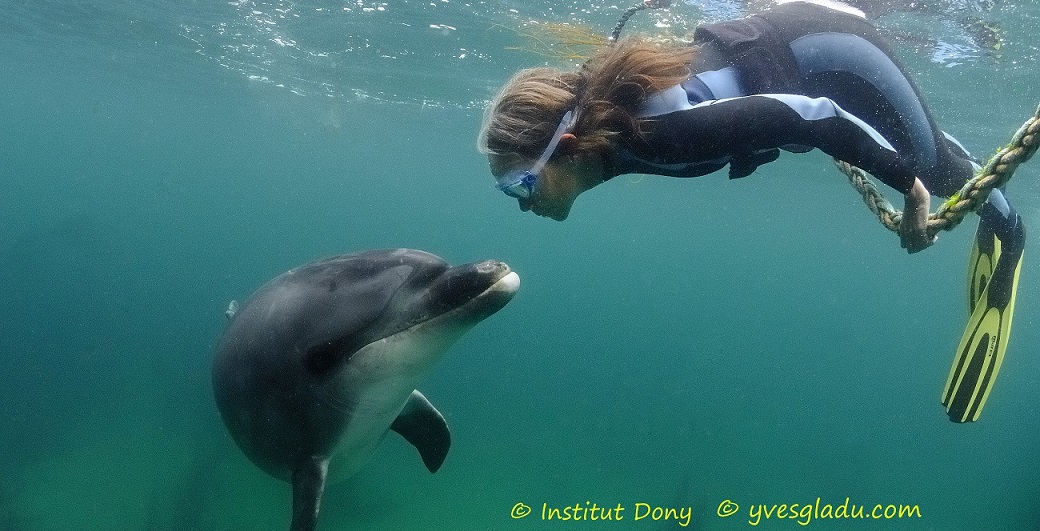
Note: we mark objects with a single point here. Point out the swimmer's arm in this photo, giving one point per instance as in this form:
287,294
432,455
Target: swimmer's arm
754,123
750,124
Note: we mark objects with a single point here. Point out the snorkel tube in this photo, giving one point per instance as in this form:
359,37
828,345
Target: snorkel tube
645,4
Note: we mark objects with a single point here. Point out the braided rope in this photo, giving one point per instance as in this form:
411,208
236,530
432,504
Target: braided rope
616,32
643,4
997,172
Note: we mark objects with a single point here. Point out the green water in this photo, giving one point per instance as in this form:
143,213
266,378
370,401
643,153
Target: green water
676,343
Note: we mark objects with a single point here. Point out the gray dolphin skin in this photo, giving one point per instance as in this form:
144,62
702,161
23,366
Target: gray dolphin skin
321,362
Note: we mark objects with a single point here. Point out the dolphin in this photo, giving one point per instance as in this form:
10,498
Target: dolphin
319,364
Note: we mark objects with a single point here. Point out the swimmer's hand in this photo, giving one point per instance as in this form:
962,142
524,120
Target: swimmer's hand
913,233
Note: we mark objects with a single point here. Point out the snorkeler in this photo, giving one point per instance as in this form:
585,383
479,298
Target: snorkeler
796,77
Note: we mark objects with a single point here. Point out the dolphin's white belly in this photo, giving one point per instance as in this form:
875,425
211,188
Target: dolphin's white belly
379,379
360,440
369,418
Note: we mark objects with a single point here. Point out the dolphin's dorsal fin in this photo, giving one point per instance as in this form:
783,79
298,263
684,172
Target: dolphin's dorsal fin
232,309
308,484
424,427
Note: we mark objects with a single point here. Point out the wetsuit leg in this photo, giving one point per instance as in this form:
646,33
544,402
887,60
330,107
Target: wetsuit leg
842,57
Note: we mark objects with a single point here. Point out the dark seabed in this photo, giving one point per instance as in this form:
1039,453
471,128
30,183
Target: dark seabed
676,343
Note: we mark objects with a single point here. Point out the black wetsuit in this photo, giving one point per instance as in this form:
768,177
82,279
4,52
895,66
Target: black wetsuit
795,77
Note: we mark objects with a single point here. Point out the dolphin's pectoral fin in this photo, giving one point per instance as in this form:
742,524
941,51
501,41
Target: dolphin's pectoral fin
308,484
424,427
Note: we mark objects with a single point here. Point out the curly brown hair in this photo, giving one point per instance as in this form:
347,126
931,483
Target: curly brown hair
605,91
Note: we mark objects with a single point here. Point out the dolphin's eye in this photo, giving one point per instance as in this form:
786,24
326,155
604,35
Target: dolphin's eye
323,357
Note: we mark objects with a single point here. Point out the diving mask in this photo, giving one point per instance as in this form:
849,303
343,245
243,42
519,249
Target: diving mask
519,183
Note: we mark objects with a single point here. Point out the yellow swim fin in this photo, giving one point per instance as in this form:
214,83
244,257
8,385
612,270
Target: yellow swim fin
993,270
980,270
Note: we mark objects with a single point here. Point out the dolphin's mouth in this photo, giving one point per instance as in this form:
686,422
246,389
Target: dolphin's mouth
454,300
482,288
500,292
510,283
471,292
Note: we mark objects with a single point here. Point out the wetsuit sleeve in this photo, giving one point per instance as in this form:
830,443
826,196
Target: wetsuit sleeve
745,128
